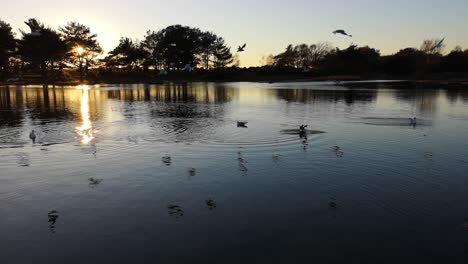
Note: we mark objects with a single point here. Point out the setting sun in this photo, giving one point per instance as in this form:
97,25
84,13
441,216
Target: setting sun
79,50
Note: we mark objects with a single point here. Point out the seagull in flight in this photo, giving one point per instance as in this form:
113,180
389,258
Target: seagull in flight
35,28
438,45
342,32
241,48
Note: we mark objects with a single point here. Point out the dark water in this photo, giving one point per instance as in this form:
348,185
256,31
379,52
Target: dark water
162,174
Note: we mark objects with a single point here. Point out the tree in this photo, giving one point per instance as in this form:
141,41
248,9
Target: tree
174,47
353,60
404,62
302,55
222,54
267,60
288,58
456,61
42,47
128,54
7,47
318,52
206,48
83,45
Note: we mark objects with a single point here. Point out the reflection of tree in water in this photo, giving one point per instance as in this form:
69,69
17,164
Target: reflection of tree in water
453,95
309,95
11,104
174,93
424,100
49,106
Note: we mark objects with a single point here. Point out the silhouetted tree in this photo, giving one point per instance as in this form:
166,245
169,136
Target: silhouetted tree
456,61
7,47
206,48
83,45
42,47
174,46
302,55
286,59
222,54
405,62
129,54
353,60
318,52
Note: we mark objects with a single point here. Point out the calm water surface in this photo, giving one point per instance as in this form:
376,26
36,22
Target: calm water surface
162,174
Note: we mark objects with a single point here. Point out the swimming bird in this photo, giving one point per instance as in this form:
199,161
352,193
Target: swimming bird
172,206
32,136
210,203
94,182
338,152
241,48
342,32
242,124
53,216
192,172
302,128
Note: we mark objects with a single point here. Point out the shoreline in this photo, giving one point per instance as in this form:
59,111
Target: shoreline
338,79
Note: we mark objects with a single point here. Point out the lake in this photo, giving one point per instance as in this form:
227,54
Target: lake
163,174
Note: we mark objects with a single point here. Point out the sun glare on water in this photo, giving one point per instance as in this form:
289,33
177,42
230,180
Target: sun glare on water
85,131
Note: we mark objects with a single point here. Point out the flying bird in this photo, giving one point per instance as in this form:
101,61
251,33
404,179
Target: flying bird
438,45
35,27
342,32
241,48
242,124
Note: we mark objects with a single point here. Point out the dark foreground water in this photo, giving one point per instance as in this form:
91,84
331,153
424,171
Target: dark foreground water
162,174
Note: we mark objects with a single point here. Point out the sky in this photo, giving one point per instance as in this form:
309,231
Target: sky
267,26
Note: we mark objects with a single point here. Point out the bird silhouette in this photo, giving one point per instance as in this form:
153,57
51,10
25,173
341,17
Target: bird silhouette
342,32
241,48
35,27
438,45
242,124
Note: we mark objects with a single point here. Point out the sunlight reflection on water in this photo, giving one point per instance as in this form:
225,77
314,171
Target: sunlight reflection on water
85,131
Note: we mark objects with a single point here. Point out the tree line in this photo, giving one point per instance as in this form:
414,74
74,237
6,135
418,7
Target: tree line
72,51
323,59
51,53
